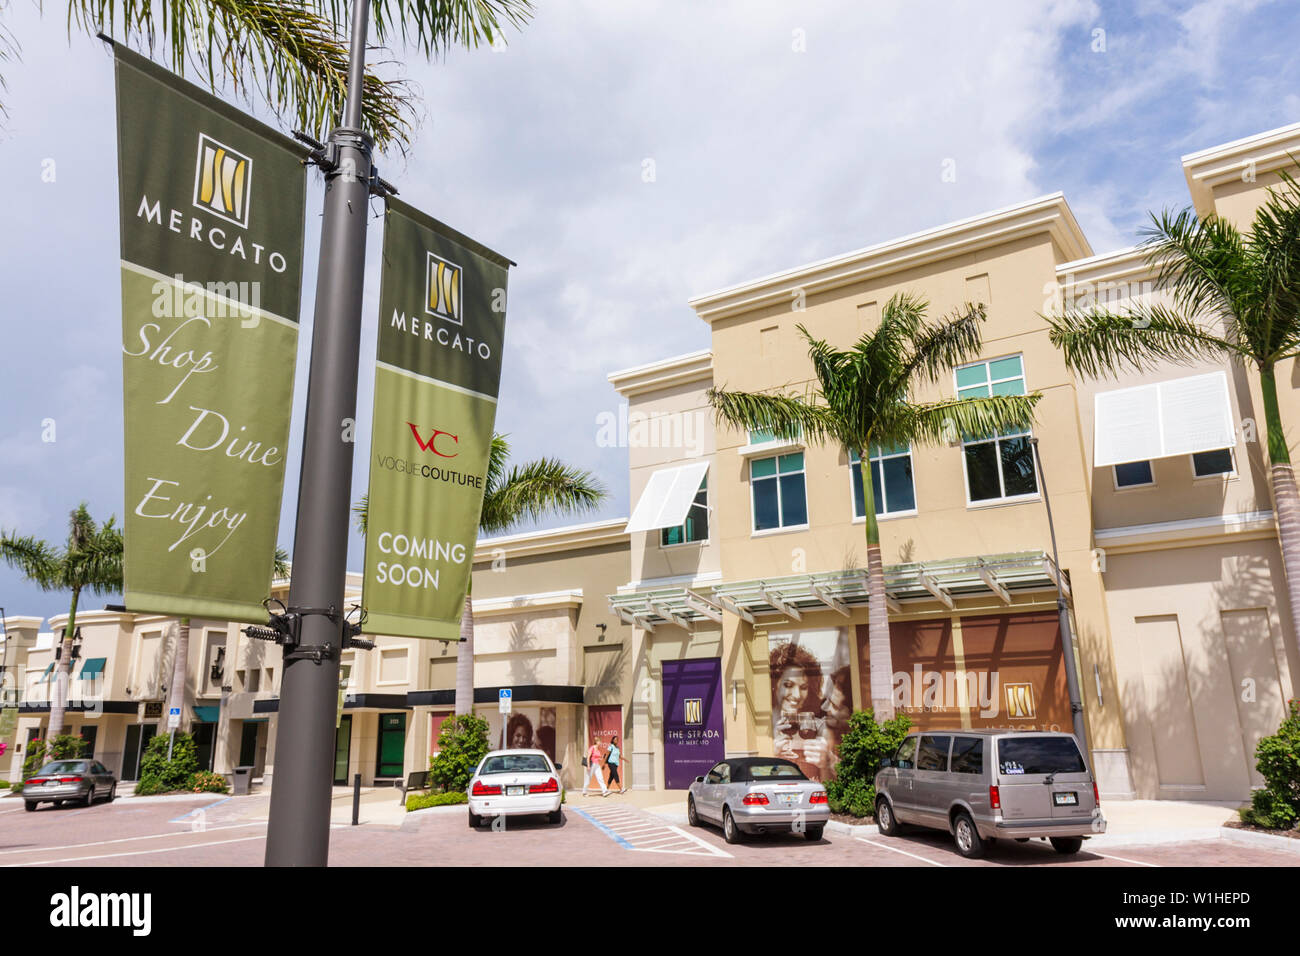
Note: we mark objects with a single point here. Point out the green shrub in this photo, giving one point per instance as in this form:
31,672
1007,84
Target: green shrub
18,788
462,743
853,791
418,801
4,784
205,781
1267,811
160,775
61,747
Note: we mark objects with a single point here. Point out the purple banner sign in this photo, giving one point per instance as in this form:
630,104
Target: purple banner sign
692,719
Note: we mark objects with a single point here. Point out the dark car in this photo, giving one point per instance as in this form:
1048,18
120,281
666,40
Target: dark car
71,781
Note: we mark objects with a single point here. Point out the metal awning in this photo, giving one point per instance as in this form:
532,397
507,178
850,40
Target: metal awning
207,713
1182,416
667,497
93,667
1002,575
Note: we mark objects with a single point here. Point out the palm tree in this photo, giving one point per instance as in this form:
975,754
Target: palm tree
1235,296
526,492
181,662
861,402
90,561
294,53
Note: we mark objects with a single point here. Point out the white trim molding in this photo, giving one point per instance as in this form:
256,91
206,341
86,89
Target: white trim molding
570,598
1140,537
656,376
1257,155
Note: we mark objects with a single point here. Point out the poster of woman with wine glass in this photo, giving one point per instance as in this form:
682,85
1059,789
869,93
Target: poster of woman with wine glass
811,697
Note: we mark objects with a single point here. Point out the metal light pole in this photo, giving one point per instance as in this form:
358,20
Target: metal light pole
299,827
1063,609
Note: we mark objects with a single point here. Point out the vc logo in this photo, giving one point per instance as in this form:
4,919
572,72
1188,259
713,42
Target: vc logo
432,443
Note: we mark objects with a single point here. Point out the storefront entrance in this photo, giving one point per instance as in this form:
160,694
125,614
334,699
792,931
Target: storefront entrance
137,738
342,750
392,745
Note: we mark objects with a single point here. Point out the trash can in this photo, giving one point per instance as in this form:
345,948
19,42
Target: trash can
243,777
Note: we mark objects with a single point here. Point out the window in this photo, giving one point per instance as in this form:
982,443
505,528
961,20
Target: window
777,486
933,754
765,436
905,759
1017,755
968,755
998,466
891,481
1206,464
251,679
696,525
1134,475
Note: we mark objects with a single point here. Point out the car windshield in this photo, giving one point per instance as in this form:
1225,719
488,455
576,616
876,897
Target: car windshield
777,768
1017,755
515,763
64,766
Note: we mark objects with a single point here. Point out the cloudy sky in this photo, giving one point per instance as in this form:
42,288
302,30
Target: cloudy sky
778,133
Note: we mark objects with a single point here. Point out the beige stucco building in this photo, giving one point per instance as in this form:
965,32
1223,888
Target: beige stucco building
734,596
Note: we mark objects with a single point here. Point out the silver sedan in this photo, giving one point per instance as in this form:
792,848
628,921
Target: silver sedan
72,781
758,794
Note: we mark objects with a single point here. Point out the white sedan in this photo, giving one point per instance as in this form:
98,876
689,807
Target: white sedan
511,783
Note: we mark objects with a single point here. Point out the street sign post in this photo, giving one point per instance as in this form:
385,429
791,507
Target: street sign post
505,699
173,718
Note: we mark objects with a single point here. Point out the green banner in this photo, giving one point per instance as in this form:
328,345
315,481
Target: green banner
212,210
442,305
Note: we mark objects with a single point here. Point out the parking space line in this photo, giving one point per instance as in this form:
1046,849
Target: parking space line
634,831
604,829
150,836
201,809
1107,856
105,856
884,846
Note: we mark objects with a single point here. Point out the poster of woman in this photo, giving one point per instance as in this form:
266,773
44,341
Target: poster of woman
812,697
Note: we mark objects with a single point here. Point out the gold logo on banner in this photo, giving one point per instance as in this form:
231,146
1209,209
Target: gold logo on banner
223,181
694,710
442,285
1020,701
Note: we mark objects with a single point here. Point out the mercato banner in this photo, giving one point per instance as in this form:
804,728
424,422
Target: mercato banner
442,314
212,211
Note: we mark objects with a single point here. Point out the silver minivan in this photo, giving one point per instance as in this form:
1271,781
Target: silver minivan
984,785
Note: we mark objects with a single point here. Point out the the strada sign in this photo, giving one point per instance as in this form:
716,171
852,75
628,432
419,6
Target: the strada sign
442,304
211,207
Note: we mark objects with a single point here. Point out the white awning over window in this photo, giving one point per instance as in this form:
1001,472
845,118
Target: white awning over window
667,497
1179,417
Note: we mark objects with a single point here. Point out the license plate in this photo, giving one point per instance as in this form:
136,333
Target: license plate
788,797
515,791
1065,799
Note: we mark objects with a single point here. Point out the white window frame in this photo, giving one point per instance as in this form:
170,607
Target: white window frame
708,511
1218,476
1114,477
1004,499
888,515
780,504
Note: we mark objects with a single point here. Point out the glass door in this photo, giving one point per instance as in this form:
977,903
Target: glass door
392,745
342,750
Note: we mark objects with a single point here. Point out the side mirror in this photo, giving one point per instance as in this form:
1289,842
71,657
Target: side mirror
559,766
886,762
699,779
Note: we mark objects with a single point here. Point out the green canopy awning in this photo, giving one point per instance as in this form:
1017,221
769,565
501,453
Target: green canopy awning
93,667
206,715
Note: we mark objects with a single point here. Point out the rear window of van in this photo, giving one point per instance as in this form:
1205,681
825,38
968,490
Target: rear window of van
1029,755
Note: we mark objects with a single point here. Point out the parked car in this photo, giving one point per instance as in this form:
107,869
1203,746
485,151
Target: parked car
70,781
510,783
983,785
757,795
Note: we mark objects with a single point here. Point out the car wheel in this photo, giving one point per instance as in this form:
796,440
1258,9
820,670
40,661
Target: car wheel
89,798
813,834
1067,845
474,820
730,832
57,803
112,793
555,817
885,820
692,817
1022,839
30,805
969,842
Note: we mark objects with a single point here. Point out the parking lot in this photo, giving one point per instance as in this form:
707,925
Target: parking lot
214,831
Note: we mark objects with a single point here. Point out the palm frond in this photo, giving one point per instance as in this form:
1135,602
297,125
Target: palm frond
1274,244
498,455
947,422
1098,342
1203,263
280,563
35,559
537,488
361,511
936,348
435,26
96,565
781,414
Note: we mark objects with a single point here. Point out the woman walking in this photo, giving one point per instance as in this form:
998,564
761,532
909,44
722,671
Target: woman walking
611,761
594,769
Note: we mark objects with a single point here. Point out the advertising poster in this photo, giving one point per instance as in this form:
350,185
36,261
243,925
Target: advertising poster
812,697
604,723
526,728
212,208
442,302
1010,672
693,740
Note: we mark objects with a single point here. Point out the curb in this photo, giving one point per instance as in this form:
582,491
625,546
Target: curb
1153,837
1252,838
